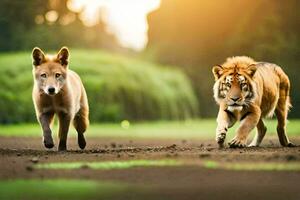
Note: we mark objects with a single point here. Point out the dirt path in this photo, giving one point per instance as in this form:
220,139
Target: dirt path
190,181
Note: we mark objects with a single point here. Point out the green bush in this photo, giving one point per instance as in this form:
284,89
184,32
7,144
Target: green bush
118,88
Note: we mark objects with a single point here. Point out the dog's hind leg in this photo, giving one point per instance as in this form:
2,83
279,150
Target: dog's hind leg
81,122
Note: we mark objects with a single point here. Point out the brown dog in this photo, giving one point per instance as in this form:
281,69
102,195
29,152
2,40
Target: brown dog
248,91
58,90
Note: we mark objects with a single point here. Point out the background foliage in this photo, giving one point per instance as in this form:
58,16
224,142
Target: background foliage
118,88
21,29
189,36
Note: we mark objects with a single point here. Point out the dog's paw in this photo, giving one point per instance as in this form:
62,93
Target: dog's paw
291,145
237,143
81,141
48,143
62,146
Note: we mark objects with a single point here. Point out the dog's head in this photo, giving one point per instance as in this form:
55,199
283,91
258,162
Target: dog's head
50,71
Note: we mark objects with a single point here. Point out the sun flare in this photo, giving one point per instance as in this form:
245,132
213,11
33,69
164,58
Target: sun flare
126,19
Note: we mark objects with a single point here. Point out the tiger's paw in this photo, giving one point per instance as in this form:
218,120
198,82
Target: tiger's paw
221,139
237,143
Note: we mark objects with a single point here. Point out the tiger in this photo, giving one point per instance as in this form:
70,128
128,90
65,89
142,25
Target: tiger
249,91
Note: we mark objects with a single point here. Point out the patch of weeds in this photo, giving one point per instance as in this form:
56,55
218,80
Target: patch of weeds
262,166
58,189
107,165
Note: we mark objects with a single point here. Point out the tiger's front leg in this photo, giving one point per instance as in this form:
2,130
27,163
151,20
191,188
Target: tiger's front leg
248,122
225,120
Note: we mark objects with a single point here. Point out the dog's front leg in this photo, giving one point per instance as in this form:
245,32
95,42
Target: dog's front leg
225,120
64,124
45,120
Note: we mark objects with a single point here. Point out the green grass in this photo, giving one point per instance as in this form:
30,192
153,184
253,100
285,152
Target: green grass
107,165
161,130
59,189
210,164
258,166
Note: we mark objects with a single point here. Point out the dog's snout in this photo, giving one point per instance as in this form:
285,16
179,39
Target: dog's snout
51,90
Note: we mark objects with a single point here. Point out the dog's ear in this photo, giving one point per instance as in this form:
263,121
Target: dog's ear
251,69
63,56
217,71
38,56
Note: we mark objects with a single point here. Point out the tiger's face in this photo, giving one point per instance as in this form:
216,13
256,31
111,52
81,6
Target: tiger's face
234,87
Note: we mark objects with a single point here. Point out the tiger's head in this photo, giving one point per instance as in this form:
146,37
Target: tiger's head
234,85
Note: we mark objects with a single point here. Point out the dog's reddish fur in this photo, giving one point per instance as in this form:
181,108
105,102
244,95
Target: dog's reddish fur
68,99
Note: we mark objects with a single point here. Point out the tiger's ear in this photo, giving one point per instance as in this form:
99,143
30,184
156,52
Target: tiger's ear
217,71
251,69
38,56
63,56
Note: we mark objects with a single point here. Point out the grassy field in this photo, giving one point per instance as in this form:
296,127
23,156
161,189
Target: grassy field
204,128
51,189
111,175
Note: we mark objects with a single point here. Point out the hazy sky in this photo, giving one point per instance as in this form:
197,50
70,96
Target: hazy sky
125,18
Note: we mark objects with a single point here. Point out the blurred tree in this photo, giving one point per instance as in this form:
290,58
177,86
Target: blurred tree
48,24
199,34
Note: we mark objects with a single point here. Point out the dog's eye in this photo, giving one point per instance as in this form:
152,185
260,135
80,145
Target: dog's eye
44,75
57,75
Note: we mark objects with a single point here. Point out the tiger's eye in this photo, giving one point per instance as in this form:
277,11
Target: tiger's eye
57,75
43,75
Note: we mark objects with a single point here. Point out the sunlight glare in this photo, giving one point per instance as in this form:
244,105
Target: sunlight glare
126,19
51,16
